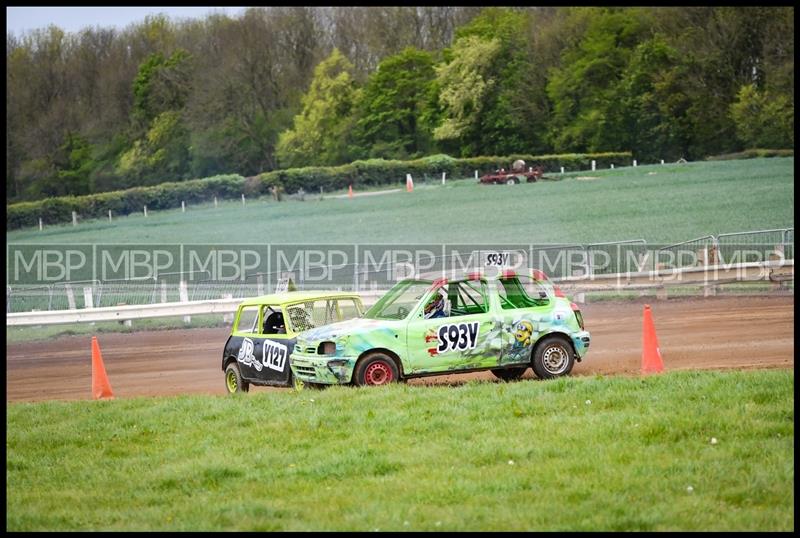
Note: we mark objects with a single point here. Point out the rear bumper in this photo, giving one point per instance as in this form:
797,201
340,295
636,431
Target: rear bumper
581,341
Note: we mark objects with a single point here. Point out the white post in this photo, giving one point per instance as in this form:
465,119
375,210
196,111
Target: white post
562,169
163,291
74,219
183,206
476,174
145,211
215,201
443,176
70,296
634,162
594,165
227,318
109,215
260,284
243,202
184,295
87,297
662,161
41,227
612,166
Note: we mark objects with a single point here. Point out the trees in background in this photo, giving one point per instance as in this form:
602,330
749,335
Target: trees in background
322,133
283,86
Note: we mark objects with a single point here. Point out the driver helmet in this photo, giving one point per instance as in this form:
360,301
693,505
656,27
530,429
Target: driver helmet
436,306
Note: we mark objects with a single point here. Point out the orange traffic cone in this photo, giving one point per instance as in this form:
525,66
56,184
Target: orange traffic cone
350,191
101,388
409,183
651,354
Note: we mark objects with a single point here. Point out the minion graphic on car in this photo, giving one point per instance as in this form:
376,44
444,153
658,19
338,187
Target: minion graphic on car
523,332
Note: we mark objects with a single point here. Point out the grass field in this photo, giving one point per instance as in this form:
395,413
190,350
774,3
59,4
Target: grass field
661,204
614,454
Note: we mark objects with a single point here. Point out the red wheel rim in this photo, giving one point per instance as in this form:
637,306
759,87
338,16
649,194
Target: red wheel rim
378,373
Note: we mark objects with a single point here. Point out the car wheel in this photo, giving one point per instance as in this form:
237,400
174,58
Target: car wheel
511,181
509,374
233,379
298,384
376,369
553,358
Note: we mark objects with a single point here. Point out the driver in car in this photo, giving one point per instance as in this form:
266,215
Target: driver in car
437,306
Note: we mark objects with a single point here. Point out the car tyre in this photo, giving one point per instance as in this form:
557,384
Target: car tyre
512,181
233,379
509,374
376,369
552,358
297,383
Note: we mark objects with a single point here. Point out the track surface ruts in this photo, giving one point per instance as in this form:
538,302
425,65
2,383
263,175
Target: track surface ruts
696,333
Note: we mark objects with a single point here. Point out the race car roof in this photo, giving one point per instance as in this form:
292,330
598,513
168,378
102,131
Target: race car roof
459,275
297,296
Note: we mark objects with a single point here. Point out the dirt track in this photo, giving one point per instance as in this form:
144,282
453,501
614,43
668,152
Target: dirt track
710,333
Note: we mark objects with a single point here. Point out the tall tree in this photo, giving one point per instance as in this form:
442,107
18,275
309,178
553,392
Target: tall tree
465,82
398,107
323,131
586,88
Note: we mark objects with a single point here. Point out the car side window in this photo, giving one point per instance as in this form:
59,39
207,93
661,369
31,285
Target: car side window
247,320
521,292
437,306
468,297
273,320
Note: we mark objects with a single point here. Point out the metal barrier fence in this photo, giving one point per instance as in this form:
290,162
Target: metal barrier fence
557,261
700,251
742,247
118,292
561,261
617,257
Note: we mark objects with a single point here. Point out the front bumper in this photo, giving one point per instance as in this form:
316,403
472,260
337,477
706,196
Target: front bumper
325,370
581,341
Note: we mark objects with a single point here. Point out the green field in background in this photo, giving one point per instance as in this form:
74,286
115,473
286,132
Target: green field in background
572,454
659,203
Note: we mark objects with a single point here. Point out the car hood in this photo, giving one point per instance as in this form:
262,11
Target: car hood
344,328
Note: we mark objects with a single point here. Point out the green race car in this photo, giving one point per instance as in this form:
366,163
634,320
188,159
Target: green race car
424,327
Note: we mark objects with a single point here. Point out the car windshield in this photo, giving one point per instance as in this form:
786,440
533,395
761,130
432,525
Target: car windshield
400,300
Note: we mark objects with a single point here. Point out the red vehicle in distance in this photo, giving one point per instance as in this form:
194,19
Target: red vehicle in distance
517,174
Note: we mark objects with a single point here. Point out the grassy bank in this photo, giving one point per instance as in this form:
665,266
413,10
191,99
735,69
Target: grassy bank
571,454
658,203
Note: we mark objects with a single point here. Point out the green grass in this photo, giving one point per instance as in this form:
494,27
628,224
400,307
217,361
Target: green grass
573,454
661,204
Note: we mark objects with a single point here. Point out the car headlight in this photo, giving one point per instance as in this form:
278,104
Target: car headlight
326,348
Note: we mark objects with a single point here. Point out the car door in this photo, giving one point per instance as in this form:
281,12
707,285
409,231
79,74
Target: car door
524,304
459,338
264,350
